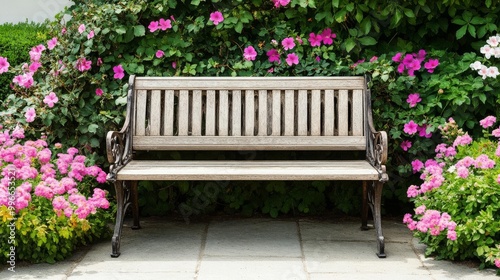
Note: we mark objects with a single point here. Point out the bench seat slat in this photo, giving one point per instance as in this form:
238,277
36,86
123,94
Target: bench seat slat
249,143
248,170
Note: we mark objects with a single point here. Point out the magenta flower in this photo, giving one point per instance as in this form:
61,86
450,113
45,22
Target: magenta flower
81,28
160,53
51,44
30,115
50,99
422,131
413,99
431,65
165,24
328,36
462,140
99,61
25,80
153,26
488,121
411,127
249,53
417,165
292,59
82,64
397,57
119,72
373,59
280,3
216,17
288,43
99,92
315,40
174,65
405,145
273,55
496,132
34,66
4,65
91,35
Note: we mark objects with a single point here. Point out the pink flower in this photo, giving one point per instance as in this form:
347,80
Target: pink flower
412,191
81,28
249,53
315,40
91,35
405,145
462,140
413,99
160,53
119,72
431,65
63,30
34,66
498,179
4,65
273,55
288,43
82,64
280,3
417,165
153,26
25,80
484,162
327,36
410,127
373,59
451,235
292,59
99,61
420,210
488,121
165,24
50,99
30,115
397,57
422,131
462,172
174,65
216,17
51,44
99,92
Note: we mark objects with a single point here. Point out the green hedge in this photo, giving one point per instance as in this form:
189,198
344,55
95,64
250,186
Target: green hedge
15,42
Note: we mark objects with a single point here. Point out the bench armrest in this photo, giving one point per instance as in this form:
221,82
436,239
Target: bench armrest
119,143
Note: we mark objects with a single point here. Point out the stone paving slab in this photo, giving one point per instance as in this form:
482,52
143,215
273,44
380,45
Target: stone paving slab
309,249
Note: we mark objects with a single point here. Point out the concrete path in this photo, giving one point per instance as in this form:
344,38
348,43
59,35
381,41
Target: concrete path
240,249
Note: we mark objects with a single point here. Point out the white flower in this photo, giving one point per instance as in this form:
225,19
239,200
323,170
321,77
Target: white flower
476,65
486,50
497,52
483,72
492,72
493,41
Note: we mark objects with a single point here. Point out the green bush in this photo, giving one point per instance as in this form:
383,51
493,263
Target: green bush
15,42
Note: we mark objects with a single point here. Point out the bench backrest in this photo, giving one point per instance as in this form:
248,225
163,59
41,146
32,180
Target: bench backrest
248,113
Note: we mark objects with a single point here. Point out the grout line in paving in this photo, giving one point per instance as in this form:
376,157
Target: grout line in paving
202,250
303,257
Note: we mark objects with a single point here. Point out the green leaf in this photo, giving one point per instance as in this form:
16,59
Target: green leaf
472,30
139,31
239,27
367,41
121,30
349,44
335,3
461,32
409,13
93,128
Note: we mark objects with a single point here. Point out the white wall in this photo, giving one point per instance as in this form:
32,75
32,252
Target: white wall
15,11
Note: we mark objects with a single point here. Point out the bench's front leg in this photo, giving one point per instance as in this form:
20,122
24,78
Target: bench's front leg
375,198
122,202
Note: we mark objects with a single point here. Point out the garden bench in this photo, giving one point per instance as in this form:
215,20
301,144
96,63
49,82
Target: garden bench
247,114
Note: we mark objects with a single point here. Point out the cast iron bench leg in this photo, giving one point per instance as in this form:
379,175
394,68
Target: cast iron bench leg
364,207
135,205
122,203
377,217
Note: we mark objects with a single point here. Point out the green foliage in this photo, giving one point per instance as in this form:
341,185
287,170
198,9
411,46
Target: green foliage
15,42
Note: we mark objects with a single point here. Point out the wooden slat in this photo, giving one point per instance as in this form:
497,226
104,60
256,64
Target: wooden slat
249,143
315,113
276,118
262,113
141,109
168,113
358,111
289,109
236,113
249,113
210,113
196,112
183,113
302,113
329,118
343,121
248,170
249,83
155,116
223,113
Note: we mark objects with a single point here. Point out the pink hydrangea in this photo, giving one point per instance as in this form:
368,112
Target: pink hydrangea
216,17
484,162
420,210
462,140
417,165
412,191
249,53
488,121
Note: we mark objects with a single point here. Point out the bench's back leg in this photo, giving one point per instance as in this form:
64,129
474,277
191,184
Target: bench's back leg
364,207
135,204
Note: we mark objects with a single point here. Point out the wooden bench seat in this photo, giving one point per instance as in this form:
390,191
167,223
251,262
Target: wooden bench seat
247,114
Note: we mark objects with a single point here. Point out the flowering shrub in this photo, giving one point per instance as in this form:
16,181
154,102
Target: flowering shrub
491,49
47,206
457,205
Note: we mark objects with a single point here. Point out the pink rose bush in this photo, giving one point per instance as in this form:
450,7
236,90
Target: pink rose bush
456,205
